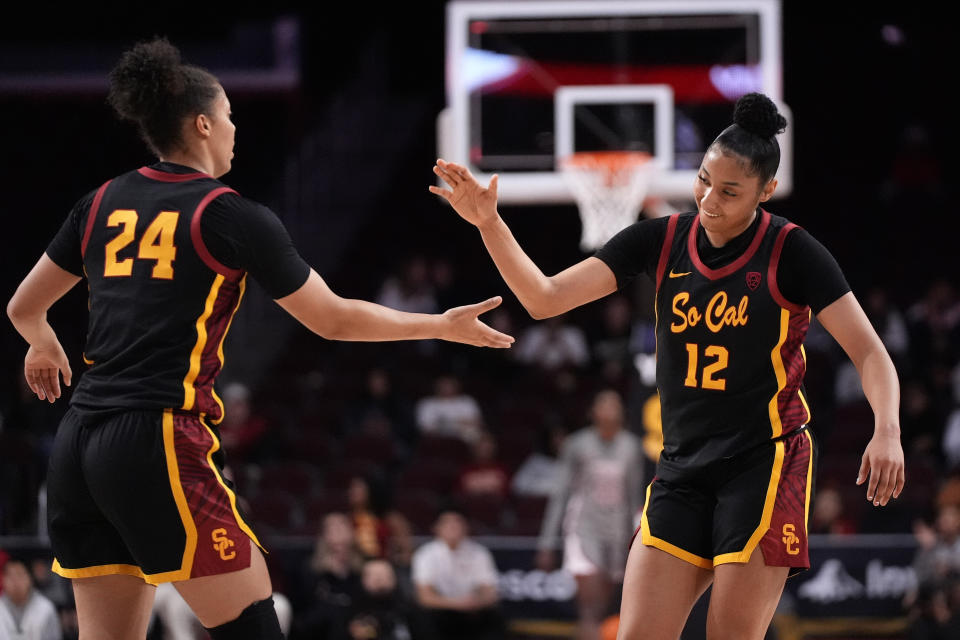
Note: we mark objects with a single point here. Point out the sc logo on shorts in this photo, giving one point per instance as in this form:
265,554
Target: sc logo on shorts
221,543
790,539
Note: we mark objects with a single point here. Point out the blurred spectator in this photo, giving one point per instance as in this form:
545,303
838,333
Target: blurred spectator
934,323
594,503
931,617
539,473
938,552
888,322
56,588
610,347
828,514
410,291
951,439
484,475
241,430
379,612
330,582
456,582
380,411
552,344
400,548
449,411
446,289
25,612
919,421
370,532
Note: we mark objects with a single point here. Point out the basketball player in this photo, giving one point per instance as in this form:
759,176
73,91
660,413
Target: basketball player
136,490
736,287
597,494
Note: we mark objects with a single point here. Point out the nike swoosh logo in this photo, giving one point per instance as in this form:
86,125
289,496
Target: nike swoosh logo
679,275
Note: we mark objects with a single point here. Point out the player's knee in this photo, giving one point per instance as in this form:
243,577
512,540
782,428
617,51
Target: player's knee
735,627
256,622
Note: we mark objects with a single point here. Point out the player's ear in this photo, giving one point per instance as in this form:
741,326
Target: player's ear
202,125
768,190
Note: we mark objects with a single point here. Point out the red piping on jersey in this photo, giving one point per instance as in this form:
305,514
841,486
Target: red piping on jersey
197,236
94,207
665,249
163,176
772,271
715,274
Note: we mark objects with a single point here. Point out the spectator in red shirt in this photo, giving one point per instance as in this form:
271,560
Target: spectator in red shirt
484,475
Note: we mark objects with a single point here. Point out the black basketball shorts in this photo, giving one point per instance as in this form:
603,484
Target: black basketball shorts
142,493
758,498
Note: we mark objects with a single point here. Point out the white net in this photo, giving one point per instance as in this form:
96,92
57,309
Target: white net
609,187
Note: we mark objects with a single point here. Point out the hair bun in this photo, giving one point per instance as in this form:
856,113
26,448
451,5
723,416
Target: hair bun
146,76
758,114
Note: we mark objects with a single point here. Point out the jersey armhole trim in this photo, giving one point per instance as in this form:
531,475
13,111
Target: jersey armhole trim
774,265
94,207
196,235
665,249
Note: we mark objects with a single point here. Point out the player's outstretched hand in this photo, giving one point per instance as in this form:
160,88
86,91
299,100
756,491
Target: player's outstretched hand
42,369
883,465
464,326
475,204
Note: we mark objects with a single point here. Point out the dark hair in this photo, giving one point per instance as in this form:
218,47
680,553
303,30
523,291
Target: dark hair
756,122
152,87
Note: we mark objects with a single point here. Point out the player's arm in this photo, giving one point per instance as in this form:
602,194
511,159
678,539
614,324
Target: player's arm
325,313
542,296
883,459
45,361
242,234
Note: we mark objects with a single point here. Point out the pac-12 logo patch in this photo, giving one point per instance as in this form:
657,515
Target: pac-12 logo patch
753,280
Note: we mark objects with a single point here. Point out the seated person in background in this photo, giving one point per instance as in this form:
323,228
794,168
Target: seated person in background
484,475
449,412
539,473
25,612
456,582
412,290
330,582
369,531
828,514
379,612
553,344
241,430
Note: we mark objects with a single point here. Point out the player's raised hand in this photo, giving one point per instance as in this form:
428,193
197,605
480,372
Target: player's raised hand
42,369
475,204
464,326
883,465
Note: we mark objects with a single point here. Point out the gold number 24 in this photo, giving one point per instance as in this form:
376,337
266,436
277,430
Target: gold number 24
709,381
156,244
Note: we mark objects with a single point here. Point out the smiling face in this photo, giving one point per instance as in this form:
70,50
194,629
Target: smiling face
727,195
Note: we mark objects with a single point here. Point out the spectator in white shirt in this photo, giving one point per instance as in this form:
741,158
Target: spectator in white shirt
449,412
456,583
553,344
25,613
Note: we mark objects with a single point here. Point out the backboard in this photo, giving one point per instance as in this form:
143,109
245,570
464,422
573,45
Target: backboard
519,75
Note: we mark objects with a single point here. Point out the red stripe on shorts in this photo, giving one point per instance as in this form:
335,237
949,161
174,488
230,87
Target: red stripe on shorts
785,542
222,546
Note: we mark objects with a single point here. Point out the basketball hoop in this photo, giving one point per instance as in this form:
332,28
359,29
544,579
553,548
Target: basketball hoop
609,187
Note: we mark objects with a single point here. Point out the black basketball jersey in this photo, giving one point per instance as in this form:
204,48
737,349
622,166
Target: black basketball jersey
160,304
730,359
